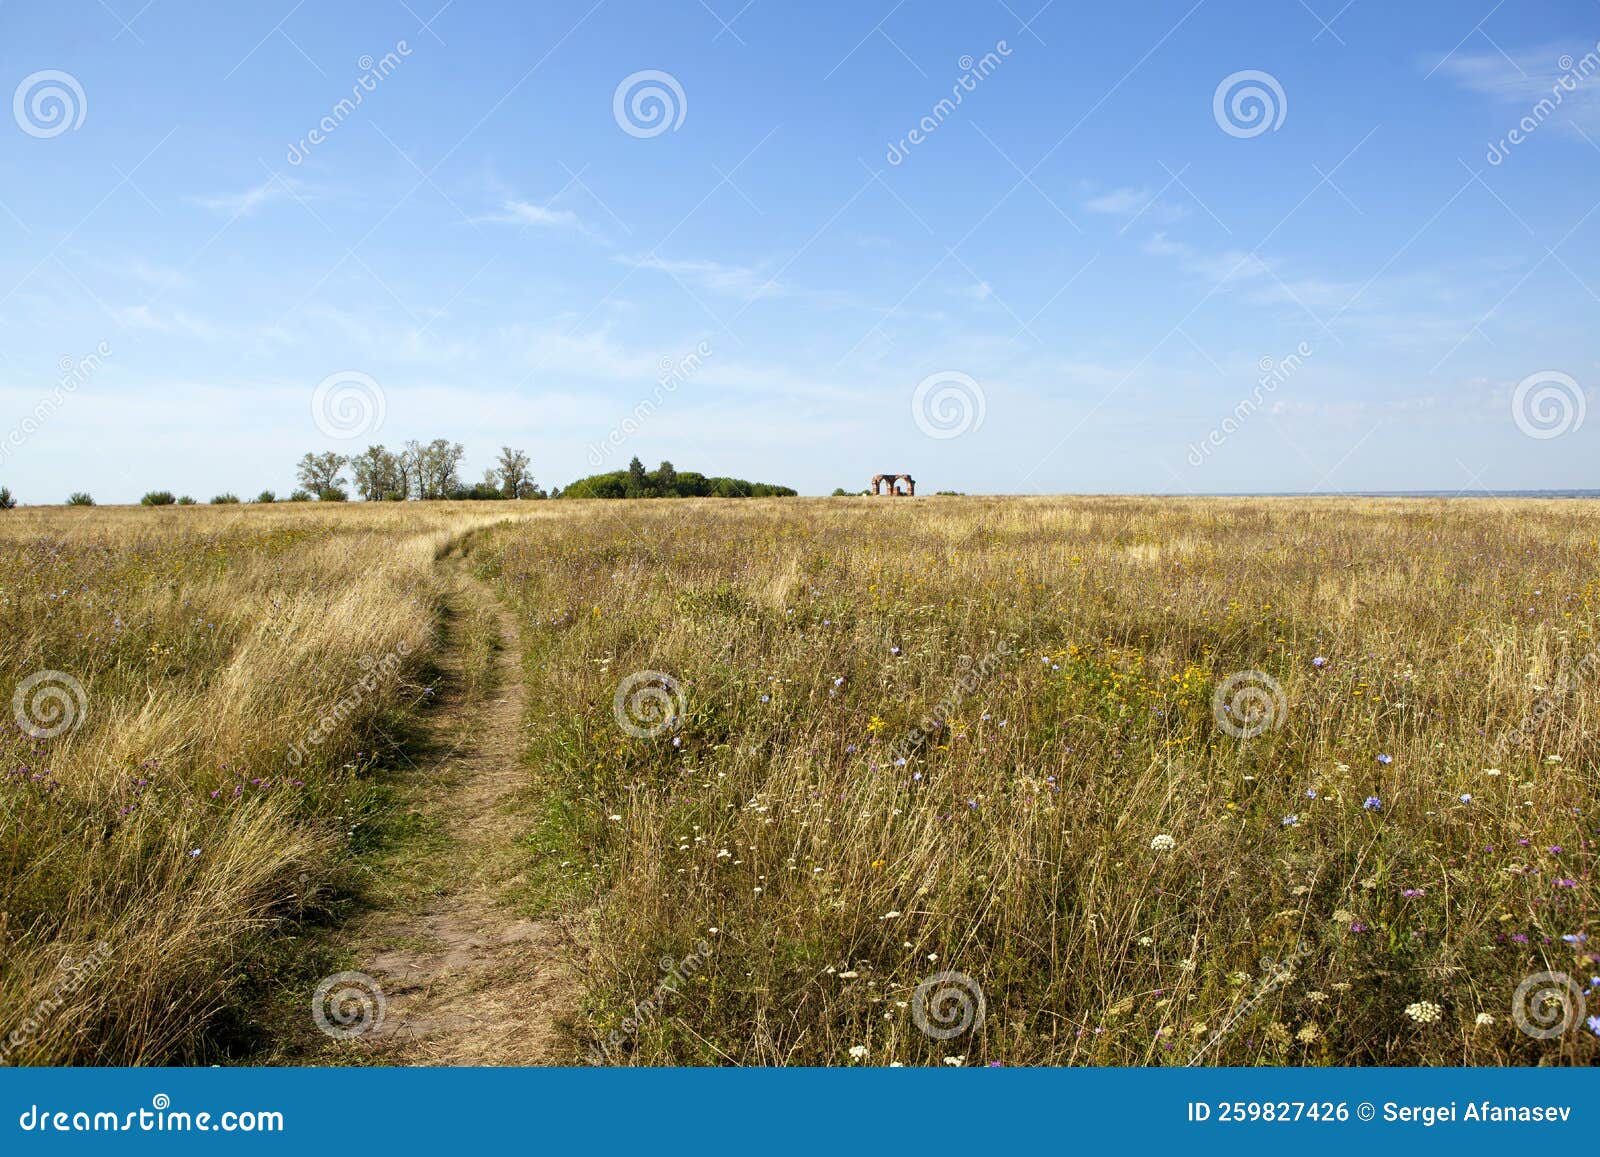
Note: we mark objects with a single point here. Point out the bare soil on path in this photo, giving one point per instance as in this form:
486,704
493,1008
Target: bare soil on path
464,980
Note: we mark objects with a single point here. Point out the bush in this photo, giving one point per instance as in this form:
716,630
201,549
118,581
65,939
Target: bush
6,501
266,496
229,499
158,498
79,498
185,500
300,496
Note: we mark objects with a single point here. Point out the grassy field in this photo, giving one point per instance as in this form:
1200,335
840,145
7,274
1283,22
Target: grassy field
1019,781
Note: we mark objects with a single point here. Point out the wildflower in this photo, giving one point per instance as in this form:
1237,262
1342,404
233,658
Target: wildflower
894,650
1145,942
955,1062
1319,662
1308,1035
1163,843
1386,760
890,915
193,852
1594,1025
1372,804
851,975
1340,916
1278,1033
1291,821
1412,893
858,1052
1311,793
933,958
1424,1011
1552,759
1317,997
615,819
1483,1020
1466,798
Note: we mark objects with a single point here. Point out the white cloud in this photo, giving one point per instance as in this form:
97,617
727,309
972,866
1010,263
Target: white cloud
1136,203
245,203
515,212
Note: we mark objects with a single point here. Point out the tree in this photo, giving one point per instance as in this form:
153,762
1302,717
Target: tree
377,473
667,480
322,475
80,498
638,480
439,468
6,501
513,472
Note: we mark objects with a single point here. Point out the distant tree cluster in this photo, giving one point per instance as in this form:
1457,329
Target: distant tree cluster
667,482
423,472
433,471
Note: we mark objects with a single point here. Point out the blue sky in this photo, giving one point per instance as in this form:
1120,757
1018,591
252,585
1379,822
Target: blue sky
1089,256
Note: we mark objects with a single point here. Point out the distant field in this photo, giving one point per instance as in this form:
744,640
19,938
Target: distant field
839,781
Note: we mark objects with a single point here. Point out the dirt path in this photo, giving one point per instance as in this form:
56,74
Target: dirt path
464,980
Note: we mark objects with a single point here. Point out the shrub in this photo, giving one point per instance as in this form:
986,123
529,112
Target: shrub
229,499
300,496
185,500
158,498
6,501
79,498
266,496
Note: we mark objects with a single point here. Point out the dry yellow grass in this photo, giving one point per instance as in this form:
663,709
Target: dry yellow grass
978,736
1044,668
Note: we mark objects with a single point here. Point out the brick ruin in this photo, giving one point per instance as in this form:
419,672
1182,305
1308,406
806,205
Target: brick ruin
898,485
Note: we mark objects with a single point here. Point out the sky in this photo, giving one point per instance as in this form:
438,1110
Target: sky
1189,247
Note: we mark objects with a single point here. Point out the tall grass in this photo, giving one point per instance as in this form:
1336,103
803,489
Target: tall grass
151,845
1366,881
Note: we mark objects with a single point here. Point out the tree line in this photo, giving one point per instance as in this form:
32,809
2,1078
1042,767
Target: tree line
433,471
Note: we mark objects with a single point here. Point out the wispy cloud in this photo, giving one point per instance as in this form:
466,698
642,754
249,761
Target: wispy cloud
516,212
743,280
245,203
1131,203
1565,76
